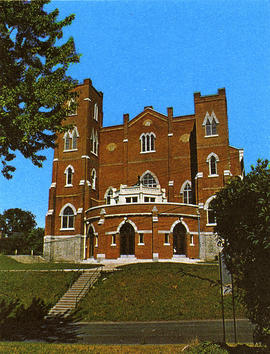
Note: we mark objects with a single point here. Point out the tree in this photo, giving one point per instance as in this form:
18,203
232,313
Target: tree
35,241
17,221
33,81
242,211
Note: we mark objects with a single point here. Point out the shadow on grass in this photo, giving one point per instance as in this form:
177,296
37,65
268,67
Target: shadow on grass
192,275
18,323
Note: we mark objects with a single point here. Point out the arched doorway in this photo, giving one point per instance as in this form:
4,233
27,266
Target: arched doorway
179,239
89,246
127,239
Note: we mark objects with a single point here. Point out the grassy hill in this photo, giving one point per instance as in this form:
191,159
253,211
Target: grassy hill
156,291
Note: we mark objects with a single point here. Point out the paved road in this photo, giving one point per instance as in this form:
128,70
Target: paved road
159,332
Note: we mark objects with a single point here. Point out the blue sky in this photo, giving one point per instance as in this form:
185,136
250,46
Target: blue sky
159,53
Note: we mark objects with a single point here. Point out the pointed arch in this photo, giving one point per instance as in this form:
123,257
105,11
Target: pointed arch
149,179
179,222
186,191
212,160
93,178
209,211
69,172
124,222
108,195
67,214
210,123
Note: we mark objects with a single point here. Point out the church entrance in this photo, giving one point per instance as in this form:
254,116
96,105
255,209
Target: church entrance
127,240
179,239
89,247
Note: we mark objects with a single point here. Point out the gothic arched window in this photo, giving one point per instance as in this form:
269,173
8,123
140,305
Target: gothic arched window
149,180
148,142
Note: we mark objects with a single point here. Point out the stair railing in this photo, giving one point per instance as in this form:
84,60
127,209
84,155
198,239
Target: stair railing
86,285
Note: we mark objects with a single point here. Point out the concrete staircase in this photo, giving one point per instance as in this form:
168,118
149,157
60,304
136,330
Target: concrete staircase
75,293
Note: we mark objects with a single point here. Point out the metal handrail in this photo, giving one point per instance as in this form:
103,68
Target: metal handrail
87,283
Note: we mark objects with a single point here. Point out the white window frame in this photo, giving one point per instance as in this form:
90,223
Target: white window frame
153,176
209,161
148,142
183,190
94,142
96,112
69,168
61,214
75,113
206,207
113,240
141,239
210,119
71,137
166,238
93,178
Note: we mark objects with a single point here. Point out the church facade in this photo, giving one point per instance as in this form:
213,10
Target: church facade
140,190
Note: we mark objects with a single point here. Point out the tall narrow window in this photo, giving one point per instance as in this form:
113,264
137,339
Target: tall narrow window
69,171
69,176
93,178
68,218
70,140
67,142
72,107
75,136
108,196
94,142
212,160
96,112
187,194
211,220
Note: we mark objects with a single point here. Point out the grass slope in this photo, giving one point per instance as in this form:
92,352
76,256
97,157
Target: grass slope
155,292
7,263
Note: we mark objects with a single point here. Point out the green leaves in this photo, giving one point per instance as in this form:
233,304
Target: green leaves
242,210
33,84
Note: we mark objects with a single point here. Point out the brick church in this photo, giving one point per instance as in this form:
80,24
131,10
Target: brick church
140,190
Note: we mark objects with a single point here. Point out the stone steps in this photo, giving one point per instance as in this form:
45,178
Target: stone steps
74,294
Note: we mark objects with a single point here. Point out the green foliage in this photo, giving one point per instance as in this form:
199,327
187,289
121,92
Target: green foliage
19,227
207,348
242,212
33,82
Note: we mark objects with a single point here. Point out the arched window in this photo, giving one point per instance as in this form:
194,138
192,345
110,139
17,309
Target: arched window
210,124
71,139
211,220
68,217
67,141
108,196
93,178
187,193
148,142
75,136
212,160
69,171
148,180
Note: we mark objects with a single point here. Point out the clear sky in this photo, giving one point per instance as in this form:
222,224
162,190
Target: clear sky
159,53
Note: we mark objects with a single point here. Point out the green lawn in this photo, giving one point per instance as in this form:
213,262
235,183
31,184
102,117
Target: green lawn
156,291
7,263
21,348
25,286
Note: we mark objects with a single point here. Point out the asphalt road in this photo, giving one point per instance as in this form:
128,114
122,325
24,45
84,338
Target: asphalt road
160,332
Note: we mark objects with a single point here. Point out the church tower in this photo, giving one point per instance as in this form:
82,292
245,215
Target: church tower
75,175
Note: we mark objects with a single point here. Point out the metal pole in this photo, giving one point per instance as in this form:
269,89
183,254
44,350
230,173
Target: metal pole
233,306
221,292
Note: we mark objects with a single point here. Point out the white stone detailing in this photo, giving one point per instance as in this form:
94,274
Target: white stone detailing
56,159
170,134
80,210
85,157
211,118
163,231
200,205
171,183
125,140
88,183
227,173
53,185
82,182
87,99
241,154
199,175
50,212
